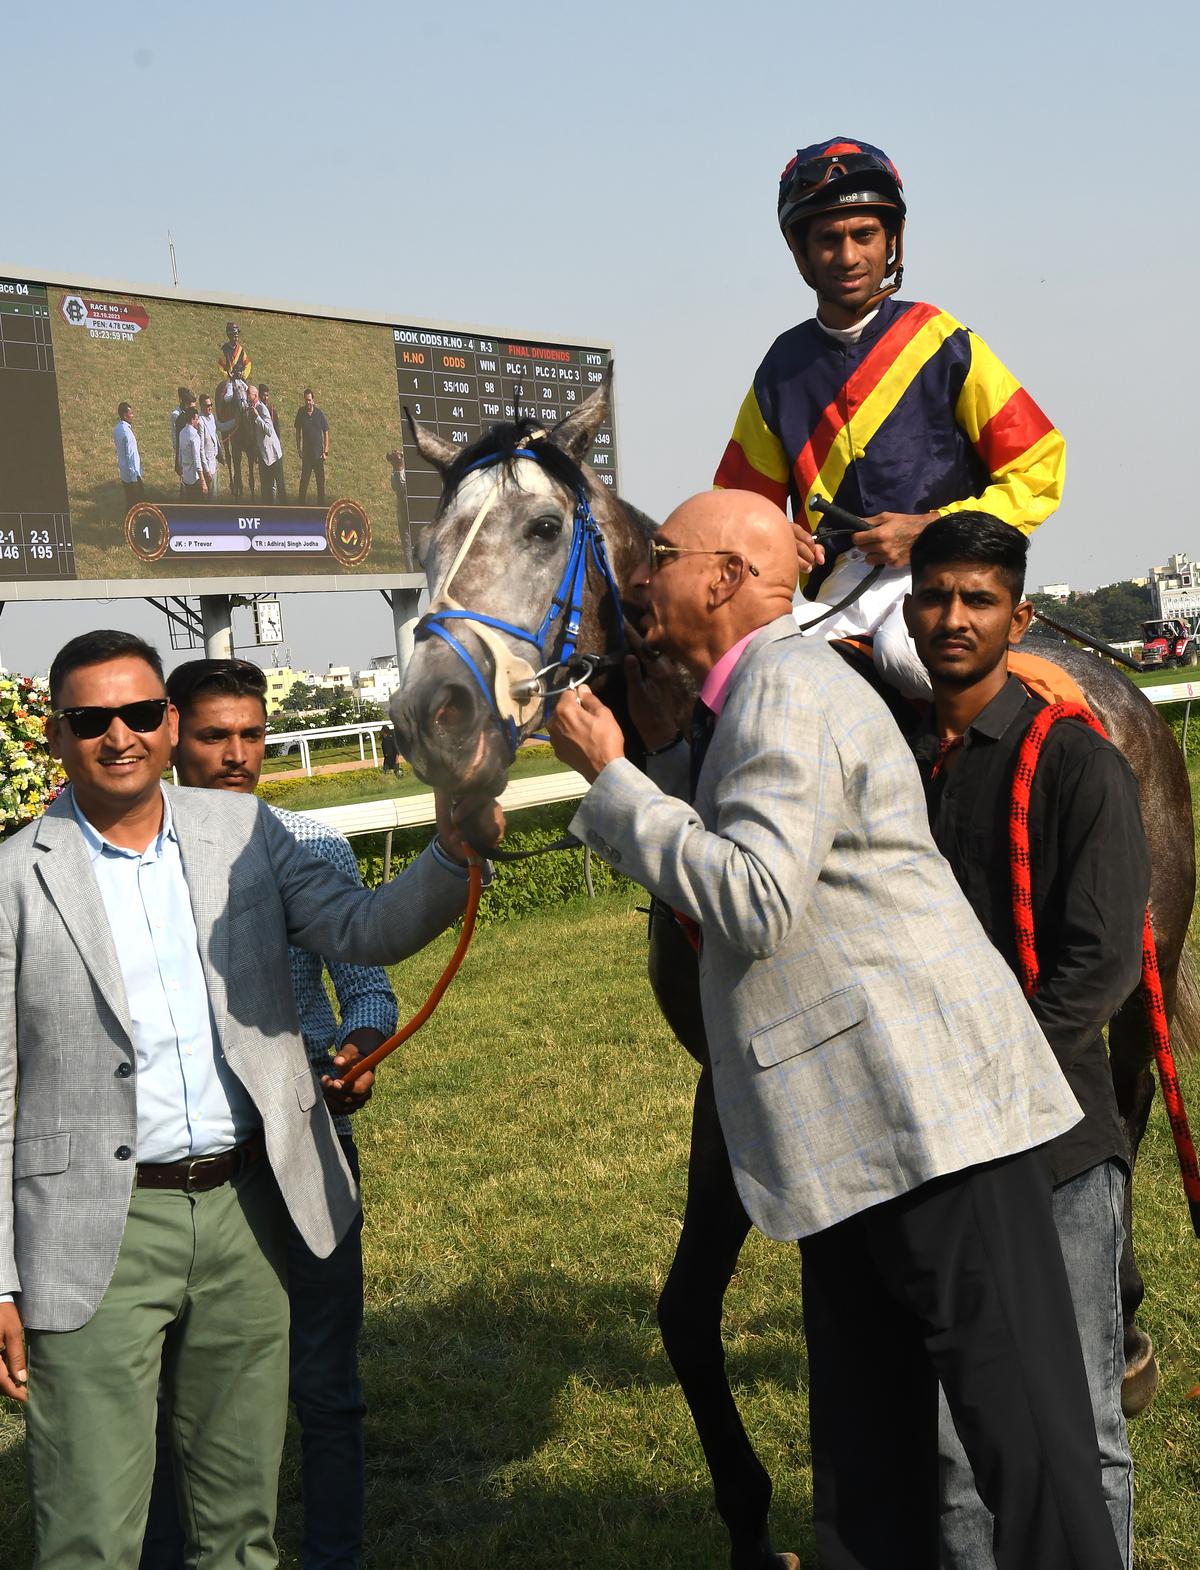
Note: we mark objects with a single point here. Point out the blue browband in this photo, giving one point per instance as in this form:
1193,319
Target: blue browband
587,547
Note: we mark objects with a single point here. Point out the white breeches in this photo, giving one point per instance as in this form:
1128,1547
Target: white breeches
877,612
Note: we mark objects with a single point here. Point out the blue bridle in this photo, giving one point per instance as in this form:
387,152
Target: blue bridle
587,550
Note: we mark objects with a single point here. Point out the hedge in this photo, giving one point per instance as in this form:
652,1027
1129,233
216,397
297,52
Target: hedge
517,887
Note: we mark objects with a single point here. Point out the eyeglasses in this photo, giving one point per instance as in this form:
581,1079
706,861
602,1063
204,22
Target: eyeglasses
656,551
89,722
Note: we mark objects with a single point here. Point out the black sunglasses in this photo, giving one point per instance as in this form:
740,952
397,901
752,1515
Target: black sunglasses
89,722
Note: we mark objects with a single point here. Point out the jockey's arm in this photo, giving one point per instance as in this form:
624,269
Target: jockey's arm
1024,454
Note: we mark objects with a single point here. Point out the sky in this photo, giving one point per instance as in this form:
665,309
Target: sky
610,172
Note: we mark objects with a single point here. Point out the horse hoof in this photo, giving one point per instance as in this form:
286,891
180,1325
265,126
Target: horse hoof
1140,1383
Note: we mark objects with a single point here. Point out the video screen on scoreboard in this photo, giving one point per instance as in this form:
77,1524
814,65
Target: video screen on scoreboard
146,438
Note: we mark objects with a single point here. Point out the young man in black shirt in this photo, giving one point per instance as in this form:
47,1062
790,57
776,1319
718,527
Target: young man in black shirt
1091,877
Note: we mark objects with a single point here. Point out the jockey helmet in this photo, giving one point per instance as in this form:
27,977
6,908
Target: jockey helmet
843,175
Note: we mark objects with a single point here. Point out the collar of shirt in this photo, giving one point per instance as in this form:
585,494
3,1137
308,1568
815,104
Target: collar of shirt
98,846
716,684
847,334
992,721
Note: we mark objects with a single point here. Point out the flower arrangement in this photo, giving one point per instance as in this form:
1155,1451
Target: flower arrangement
30,777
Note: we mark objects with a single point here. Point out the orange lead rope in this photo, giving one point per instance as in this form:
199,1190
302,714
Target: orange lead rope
1152,995
474,890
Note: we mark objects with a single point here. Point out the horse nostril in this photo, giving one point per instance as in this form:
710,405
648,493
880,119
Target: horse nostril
454,707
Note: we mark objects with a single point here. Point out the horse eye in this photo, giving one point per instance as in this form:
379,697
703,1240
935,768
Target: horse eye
547,527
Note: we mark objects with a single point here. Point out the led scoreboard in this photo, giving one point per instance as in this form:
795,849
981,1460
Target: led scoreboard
311,478
461,384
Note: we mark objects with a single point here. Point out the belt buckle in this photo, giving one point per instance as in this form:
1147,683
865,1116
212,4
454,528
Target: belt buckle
200,1162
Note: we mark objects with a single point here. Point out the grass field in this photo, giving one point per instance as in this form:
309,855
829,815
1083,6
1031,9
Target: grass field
333,790
524,1162
349,365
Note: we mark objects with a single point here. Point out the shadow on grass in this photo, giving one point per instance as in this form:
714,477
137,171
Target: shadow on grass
539,1424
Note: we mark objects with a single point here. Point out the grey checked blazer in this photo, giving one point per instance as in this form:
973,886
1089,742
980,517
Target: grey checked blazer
865,1035
65,1030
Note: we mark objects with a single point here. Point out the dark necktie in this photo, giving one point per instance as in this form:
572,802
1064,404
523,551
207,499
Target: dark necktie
703,724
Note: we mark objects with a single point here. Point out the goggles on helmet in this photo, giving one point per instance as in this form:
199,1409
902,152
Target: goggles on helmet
834,180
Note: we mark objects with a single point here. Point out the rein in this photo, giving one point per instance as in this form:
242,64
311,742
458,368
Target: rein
474,890
516,688
1152,994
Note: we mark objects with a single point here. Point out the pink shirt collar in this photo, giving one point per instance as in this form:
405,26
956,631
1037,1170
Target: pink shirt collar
716,684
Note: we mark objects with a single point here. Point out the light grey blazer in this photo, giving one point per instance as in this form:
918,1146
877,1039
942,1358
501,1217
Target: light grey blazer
865,1035
65,1029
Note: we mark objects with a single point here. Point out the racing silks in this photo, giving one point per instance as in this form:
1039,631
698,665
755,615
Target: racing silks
233,357
918,415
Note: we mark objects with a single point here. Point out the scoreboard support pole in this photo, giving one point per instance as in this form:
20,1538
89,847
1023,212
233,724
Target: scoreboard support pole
216,618
406,612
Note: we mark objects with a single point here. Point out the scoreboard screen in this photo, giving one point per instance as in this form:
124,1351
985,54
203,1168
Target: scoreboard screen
159,444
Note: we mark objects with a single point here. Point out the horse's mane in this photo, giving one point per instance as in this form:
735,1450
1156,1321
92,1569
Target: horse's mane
500,443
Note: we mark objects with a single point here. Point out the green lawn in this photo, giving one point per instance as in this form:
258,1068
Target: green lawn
1162,678
524,1162
334,790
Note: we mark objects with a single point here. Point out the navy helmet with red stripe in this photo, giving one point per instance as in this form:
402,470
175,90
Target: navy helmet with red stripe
840,173
843,175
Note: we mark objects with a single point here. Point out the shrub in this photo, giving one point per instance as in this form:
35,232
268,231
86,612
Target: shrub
30,776
517,887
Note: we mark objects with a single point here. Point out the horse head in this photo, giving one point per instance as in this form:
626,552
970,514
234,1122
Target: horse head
523,559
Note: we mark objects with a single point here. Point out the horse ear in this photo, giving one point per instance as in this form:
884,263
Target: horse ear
432,447
577,432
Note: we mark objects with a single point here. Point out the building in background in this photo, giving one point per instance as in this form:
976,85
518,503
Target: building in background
1055,591
379,681
280,681
1175,588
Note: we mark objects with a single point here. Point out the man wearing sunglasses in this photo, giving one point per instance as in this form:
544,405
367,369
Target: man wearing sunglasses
890,408
167,1119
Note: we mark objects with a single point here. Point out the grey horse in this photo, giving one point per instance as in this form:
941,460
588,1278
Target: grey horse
458,739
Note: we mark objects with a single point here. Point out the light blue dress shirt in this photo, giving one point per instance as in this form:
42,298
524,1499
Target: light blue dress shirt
129,460
189,1102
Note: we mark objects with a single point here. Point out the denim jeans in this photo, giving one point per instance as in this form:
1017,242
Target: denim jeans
326,1304
327,1312
1087,1212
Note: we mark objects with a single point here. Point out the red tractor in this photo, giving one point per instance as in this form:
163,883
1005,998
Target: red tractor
1169,644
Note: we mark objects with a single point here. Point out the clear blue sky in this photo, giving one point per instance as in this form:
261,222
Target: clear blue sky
610,171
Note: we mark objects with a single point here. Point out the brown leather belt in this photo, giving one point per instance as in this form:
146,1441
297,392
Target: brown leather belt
202,1172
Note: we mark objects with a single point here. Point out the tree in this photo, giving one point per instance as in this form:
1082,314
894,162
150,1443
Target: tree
1112,614
301,697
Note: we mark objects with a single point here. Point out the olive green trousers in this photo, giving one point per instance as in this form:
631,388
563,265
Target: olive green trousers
198,1300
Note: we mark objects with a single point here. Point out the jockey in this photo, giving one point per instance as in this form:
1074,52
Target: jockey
233,360
890,408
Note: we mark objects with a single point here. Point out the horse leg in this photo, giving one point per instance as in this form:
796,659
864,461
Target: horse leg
689,1315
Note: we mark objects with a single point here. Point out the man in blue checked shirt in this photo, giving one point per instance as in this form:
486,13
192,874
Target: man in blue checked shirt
222,737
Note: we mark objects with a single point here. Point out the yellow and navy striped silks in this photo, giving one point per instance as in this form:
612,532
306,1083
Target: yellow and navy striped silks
238,360
918,415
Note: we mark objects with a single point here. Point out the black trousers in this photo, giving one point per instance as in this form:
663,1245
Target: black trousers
135,491
270,481
961,1280
315,467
